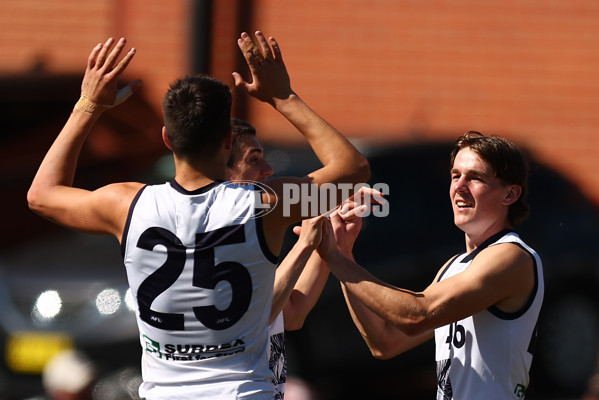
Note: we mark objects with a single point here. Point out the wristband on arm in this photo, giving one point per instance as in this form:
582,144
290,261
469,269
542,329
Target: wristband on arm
87,105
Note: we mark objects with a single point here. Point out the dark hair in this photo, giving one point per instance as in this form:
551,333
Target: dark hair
509,163
197,112
239,128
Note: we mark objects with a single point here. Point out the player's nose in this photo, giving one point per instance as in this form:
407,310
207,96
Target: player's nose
266,170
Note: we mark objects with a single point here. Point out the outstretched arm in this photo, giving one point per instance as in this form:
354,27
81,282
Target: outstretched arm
52,194
305,293
383,339
342,162
294,263
392,319
314,277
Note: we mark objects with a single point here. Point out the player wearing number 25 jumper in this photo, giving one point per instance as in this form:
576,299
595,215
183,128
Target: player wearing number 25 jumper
210,238
482,308
199,252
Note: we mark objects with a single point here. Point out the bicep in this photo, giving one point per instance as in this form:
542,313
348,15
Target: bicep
495,274
101,211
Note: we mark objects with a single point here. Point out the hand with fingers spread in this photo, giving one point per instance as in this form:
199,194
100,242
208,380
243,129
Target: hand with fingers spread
269,78
99,86
194,220
52,194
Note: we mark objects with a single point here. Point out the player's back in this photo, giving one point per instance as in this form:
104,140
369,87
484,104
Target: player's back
202,279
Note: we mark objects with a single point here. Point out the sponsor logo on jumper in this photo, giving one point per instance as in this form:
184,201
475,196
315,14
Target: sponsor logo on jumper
520,391
187,352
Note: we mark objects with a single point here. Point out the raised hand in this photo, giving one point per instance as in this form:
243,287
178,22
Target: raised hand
269,78
101,75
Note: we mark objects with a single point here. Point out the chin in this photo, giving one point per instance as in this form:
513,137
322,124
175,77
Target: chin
461,223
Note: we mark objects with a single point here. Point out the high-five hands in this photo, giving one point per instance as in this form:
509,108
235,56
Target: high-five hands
339,233
269,78
99,87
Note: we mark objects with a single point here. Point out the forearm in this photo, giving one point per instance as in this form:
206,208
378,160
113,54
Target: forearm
341,160
398,307
287,275
271,84
370,325
306,292
59,165
382,338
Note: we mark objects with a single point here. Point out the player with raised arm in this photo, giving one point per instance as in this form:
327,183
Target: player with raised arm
200,261
298,281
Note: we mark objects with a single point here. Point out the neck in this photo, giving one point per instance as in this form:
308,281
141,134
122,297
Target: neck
473,241
193,175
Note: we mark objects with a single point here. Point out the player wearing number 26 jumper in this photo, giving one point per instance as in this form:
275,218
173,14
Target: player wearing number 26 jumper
199,252
482,307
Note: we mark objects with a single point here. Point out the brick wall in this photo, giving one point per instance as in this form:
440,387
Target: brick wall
401,70
418,70
58,35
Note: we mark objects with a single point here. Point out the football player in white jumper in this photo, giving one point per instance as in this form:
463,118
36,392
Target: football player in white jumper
199,252
482,307
298,283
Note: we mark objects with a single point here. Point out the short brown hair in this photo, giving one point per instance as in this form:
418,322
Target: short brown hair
509,163
197,112
239,128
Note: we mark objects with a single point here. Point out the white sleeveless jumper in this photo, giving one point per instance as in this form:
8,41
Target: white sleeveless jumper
488,355
202,280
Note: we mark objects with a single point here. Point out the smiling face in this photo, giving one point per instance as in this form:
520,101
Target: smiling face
480,201
249,163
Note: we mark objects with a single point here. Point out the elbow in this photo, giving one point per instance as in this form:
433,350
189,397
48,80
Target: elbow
382,350
293,323
37,202
413,330
415,326
381,355
33,200
362,169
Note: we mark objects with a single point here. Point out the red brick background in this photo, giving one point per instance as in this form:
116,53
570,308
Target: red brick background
386,70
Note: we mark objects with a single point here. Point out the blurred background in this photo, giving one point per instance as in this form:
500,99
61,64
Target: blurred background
401,78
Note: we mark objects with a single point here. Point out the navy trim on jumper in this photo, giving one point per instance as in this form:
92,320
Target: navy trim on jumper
175,185
447,267
260,233
493,309
128,222
486,244
513,315
262,240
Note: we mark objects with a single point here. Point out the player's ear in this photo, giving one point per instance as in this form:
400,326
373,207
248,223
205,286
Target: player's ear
165,139
512,194
229,140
